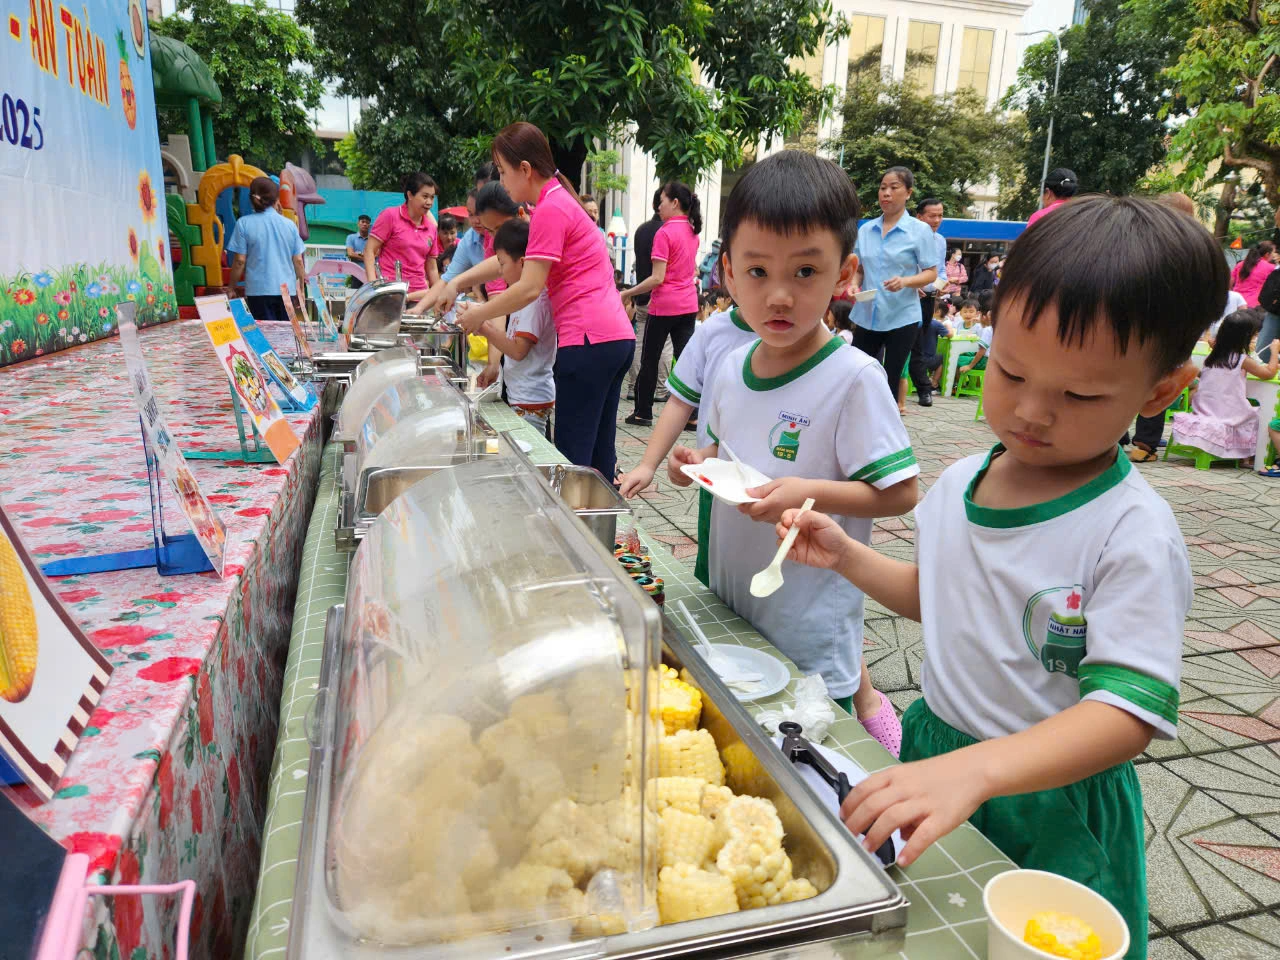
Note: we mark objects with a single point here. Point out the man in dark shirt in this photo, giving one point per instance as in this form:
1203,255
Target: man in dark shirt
643,249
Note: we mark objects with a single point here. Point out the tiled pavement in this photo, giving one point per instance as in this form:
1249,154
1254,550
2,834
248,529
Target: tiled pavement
1212,796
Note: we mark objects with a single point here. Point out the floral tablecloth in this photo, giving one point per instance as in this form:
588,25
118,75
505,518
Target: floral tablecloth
170,779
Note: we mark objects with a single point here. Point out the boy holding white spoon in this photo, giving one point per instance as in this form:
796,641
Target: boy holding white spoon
801,406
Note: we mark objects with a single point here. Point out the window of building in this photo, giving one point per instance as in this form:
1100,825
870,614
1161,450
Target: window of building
922,54
807,136
866,34
975,59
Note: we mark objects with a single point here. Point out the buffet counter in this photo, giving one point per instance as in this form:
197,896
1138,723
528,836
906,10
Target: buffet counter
169,779
945,920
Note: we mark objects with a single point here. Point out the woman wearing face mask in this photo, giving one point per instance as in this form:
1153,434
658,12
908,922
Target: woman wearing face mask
407,234
957,274
566,258
984,278
898,256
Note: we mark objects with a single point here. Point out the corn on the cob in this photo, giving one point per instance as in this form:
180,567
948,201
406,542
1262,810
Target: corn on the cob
743,773
679,703
682,793
690,753
754,820
798,889
528,886
753,856
19,639
1062,935
687,893
684,838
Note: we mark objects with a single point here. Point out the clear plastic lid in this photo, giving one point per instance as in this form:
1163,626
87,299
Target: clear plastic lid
490,738
422,421
369,381
373,312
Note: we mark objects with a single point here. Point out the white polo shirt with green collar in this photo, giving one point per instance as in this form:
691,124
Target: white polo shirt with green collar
1025,612
831,418
715,337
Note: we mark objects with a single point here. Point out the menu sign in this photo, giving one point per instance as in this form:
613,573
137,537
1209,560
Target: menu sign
204,520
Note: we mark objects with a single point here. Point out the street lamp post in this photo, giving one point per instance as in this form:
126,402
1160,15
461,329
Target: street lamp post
1057,67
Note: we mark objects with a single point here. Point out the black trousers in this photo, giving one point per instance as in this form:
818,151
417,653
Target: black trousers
916,366
656,330
890,347
1148,432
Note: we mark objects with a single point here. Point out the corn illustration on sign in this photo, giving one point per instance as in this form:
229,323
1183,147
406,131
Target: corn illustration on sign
51,676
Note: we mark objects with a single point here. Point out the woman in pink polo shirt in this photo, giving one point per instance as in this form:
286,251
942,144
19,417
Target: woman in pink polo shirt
673,306
406,233
565,256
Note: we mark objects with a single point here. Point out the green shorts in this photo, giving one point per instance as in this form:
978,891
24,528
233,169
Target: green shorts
1274,424
701,567
966,357
1090,831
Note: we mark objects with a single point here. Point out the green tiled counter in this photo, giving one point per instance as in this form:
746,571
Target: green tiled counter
945,921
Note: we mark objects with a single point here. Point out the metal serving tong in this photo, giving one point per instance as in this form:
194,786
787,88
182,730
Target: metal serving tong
798,750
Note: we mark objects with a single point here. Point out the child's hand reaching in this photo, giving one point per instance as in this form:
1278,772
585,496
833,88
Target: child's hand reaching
924,800
634,481
679,457
776,496
821,542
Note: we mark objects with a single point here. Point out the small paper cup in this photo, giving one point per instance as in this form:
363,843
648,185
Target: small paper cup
1014,897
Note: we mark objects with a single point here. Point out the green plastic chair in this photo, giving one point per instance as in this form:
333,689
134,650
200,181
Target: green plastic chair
1203,459
971,385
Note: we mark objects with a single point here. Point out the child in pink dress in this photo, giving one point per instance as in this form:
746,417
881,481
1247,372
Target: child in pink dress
1222,421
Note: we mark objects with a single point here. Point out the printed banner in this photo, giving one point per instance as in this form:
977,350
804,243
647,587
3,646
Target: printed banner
51,676
204,520
247,380
289,393
81,183
299,335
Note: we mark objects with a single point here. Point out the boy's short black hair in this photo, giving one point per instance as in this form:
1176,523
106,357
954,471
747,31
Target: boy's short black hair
969,302
447,221
512,238
794,192
720,293
985,299
365,218
1148,272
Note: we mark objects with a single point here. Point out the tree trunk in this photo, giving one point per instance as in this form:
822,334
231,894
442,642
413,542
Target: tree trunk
1222,217
570,158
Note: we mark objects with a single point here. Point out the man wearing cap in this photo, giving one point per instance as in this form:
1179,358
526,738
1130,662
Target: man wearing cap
1059,187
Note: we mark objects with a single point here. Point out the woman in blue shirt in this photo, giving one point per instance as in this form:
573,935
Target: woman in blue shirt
898,256
267,251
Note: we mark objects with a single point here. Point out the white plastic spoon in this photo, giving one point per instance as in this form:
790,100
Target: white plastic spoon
742,473
726,669
768,580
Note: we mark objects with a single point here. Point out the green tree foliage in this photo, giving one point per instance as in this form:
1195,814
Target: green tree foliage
691,84
260,60
383,149
1228,72
950,143
1111,111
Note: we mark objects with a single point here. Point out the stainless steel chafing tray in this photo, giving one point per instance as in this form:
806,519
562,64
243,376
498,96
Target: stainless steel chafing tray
858,906
437,336
414,428
373,314
374,375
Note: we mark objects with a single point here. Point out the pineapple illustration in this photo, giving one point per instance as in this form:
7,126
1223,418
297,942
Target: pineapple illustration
127,94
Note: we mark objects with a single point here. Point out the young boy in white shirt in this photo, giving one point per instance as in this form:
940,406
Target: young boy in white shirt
528,345
688,383
801,406
1037,699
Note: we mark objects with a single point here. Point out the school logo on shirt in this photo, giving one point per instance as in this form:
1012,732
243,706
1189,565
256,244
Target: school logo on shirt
1055,617
784,438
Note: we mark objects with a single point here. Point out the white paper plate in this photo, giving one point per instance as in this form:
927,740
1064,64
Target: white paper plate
721,479
524,445
776,675
862,296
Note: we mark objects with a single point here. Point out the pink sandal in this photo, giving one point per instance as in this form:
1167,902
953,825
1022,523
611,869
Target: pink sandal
885,726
